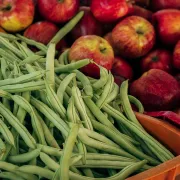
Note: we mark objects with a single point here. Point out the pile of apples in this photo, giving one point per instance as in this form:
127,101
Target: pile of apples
137,40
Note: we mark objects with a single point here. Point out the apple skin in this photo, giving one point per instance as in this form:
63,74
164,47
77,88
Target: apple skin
16,15
95,48
142,12
2,30
43,31
109,10
176,56
108,38
157,90
134,37
88,25
58,11
167,24
121,70
164,4
157,59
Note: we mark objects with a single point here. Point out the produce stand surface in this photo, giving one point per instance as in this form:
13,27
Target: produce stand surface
170,137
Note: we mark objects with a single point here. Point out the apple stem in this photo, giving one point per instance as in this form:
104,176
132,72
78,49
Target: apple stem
6,8
155,59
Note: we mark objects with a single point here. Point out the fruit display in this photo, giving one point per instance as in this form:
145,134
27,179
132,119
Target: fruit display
76,79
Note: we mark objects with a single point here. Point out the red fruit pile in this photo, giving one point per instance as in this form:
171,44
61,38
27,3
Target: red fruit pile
127,37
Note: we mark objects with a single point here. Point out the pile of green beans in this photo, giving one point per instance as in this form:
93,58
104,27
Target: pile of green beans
57,123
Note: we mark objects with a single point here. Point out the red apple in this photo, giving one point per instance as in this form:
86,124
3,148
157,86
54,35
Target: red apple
157,90
95,48
58,11
142,12
176,56
167,23
157,59
16,15
43,32
134,37
2,30
108,37
109,10
121,70
87,26
164,4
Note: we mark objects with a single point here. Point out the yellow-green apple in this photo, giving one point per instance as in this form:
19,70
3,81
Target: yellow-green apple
88,25
16,15
95,48
109,10
134,37
164,4
121,70
157,59
142,12
157,90
58,11
167,24
43,31
108,37
176,56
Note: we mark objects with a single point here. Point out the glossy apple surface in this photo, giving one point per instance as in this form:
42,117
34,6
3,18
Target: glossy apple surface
109,10
157,90
16,15
134,37
58,11
95,48
88,25
43,31
157,59
167,23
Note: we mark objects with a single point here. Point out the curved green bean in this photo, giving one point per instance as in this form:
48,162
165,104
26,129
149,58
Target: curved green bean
63,56
137,103
11,176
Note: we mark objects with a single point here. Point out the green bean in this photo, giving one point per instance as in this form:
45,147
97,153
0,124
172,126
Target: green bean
136,102
67,28
48,136
26,176
23,79
139,132
85,82
63,85
87,172
63,171
22,158
54,101
98,113
113,95
10,175
6,133
119,176
20,47
81,107
23,103
99,137
73,66
126,104
63,56
33,43
9,46
102,146
30,60
82,149
8,36
103,79
29,86
75,159
71,111
2,147
51,115
5,154
106,91
7,56
4,68
31,169
50,65
13,121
